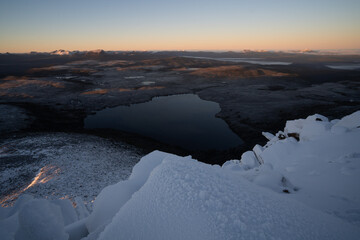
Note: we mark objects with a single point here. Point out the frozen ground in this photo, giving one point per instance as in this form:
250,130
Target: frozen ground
303,184
59,165
253,97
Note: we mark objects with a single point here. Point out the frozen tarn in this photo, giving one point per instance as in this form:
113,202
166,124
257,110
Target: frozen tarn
186,199
260,61
316,160
353,66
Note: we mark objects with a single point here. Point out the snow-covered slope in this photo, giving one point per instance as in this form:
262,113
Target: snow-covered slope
322,169
186,199
303,184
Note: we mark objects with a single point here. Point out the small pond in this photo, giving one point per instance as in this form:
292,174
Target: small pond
181,120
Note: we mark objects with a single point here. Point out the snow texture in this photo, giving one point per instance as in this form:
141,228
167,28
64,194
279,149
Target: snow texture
315,160
59,165
303,184
113,197
185,199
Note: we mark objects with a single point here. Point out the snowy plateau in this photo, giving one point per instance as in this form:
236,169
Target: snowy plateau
303,184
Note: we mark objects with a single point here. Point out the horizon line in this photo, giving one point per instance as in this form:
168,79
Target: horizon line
306,50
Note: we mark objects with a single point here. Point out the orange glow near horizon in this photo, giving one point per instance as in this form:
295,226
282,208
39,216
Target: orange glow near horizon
46,26
192,41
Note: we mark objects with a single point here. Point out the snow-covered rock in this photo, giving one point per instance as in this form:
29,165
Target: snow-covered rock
317,161
309,128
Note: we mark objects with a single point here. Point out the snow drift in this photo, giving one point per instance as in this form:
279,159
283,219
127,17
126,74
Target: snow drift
303,184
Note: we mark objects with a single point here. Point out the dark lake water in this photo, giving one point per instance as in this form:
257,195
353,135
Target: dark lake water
181,120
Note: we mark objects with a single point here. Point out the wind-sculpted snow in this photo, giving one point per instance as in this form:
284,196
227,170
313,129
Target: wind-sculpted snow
186,199
314,159
303,184
113,197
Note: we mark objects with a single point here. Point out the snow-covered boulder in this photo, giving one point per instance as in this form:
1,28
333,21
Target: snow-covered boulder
309,128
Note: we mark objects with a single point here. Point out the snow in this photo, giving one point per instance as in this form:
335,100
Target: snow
303,184
351,121
113,197
147,83
37,219
81,209
62,165
186,199
60,52
40,219
353,66
321,170
77,230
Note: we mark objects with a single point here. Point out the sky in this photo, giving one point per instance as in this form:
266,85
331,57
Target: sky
47,25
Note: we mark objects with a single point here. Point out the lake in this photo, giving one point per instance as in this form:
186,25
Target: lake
180,120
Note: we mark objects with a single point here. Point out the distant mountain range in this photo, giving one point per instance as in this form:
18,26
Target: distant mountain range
62,52
261,53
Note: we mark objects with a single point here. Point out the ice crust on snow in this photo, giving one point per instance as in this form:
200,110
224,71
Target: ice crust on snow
303,184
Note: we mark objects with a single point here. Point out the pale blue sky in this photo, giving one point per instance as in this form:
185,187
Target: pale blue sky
45,25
